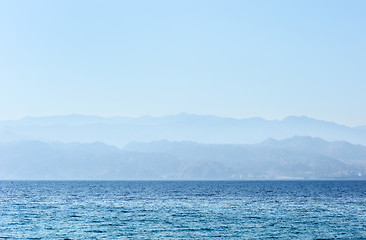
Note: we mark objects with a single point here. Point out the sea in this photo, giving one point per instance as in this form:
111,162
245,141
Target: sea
182,209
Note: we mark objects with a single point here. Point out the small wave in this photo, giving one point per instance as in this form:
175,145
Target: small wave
95,231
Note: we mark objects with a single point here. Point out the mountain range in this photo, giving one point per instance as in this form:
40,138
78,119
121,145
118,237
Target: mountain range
294,158
119,131
180,147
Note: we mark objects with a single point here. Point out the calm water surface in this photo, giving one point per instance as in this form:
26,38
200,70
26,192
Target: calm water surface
183,210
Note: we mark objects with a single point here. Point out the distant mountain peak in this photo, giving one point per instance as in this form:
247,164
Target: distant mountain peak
299,118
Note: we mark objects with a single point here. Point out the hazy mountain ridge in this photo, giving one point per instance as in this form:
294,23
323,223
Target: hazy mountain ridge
197,147
94,161
119,131
272,159
294,158
340,150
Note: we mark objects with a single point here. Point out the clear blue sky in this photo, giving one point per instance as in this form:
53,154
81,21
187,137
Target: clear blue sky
269,59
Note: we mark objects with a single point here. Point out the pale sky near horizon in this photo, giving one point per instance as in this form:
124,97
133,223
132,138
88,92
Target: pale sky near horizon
240,59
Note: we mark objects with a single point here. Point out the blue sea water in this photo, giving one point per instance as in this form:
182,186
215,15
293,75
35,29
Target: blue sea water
182,209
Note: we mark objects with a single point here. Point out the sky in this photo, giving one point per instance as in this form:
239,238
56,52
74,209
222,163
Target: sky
269,59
